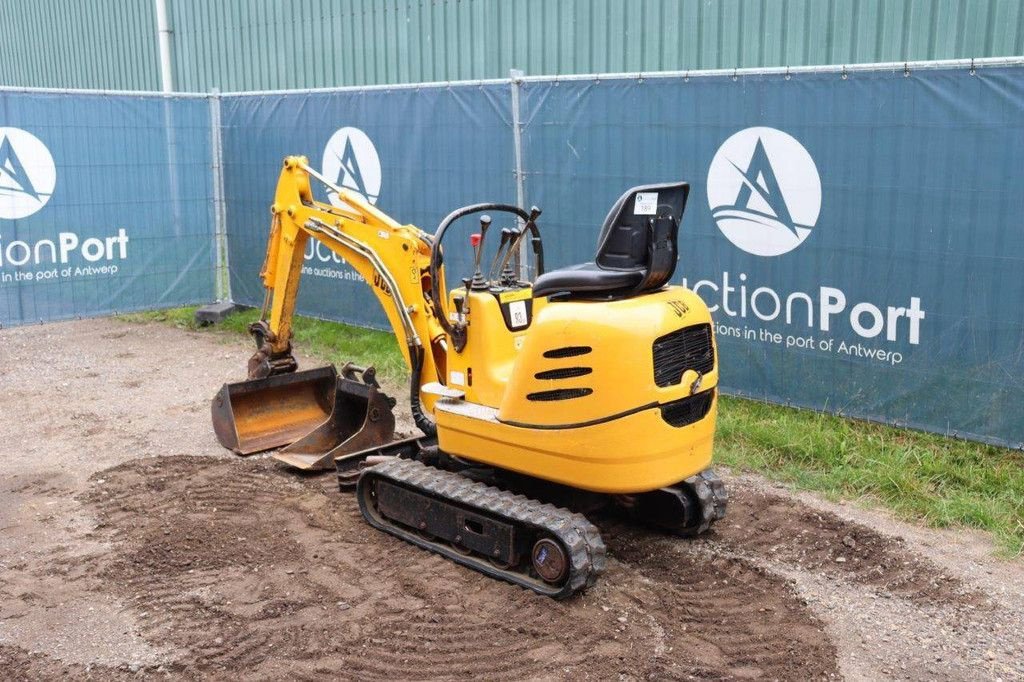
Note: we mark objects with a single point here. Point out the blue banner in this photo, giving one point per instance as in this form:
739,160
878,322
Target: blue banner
858,236
416,153
105,204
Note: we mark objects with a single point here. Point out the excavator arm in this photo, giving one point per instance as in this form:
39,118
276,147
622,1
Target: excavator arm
393,259
315,413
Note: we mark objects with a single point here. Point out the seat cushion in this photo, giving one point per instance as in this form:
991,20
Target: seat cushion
587,279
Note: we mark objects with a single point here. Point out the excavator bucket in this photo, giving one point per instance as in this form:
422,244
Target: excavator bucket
361,419
316,414
262,414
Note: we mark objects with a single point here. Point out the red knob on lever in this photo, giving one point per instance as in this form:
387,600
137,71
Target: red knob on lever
477,240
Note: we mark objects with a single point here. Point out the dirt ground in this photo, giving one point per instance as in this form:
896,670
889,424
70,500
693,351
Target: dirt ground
132,545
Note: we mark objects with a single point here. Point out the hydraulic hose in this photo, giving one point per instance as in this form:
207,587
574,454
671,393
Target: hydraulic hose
423,422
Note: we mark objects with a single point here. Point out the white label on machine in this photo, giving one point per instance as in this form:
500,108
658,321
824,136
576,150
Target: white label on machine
646,203
456,378
517,314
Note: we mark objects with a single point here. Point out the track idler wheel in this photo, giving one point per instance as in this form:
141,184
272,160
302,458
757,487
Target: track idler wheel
549,561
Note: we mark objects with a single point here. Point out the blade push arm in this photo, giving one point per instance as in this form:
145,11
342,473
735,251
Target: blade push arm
394,260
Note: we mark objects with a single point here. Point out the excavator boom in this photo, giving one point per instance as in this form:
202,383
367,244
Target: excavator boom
317,414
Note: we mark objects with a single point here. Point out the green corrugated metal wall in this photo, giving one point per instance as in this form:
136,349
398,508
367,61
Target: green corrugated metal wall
108,44
276,44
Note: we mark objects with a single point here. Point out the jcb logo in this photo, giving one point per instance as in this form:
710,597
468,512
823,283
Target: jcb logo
379,282
679,308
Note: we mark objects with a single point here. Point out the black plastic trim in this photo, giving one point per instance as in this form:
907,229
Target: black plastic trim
577,425
685,348
562,373
559,394
567,351
688,410
600,420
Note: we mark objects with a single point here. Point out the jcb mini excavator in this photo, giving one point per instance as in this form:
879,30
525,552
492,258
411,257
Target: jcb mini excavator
592,385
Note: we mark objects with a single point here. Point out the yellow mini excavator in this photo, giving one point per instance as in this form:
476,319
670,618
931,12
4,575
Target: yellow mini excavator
591,386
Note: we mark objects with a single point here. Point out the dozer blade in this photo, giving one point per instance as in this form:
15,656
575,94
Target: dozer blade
262,414
361,419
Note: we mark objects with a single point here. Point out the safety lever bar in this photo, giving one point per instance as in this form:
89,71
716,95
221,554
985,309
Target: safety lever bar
506,239
507,276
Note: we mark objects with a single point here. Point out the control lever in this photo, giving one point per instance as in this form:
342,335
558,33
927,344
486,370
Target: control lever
477,241
506,237
460,310
507,275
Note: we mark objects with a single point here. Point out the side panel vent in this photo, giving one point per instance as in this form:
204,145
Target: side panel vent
683,349
559,394
567,351
688,410
563,373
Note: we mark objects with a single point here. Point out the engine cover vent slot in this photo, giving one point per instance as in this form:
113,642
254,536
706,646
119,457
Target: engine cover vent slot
559,394
563,373
689,410
567,351
683,349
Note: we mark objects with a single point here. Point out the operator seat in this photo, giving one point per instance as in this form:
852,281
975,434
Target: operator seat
636,252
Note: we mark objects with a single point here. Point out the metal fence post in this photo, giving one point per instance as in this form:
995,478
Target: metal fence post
222,282
515,77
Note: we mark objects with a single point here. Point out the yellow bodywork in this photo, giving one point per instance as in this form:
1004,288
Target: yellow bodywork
483,368
611,438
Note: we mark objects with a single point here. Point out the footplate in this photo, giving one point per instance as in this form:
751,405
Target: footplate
538,546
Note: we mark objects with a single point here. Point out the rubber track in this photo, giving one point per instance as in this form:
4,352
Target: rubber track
580,538
714,499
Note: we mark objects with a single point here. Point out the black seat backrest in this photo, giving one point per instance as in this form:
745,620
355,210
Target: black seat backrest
641,232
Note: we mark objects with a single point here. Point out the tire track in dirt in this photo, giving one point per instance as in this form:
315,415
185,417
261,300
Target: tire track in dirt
735,618
248,569
784,530
17,664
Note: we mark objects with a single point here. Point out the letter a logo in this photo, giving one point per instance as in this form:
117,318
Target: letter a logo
351,175
760,189
764,191
351,161
27,174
